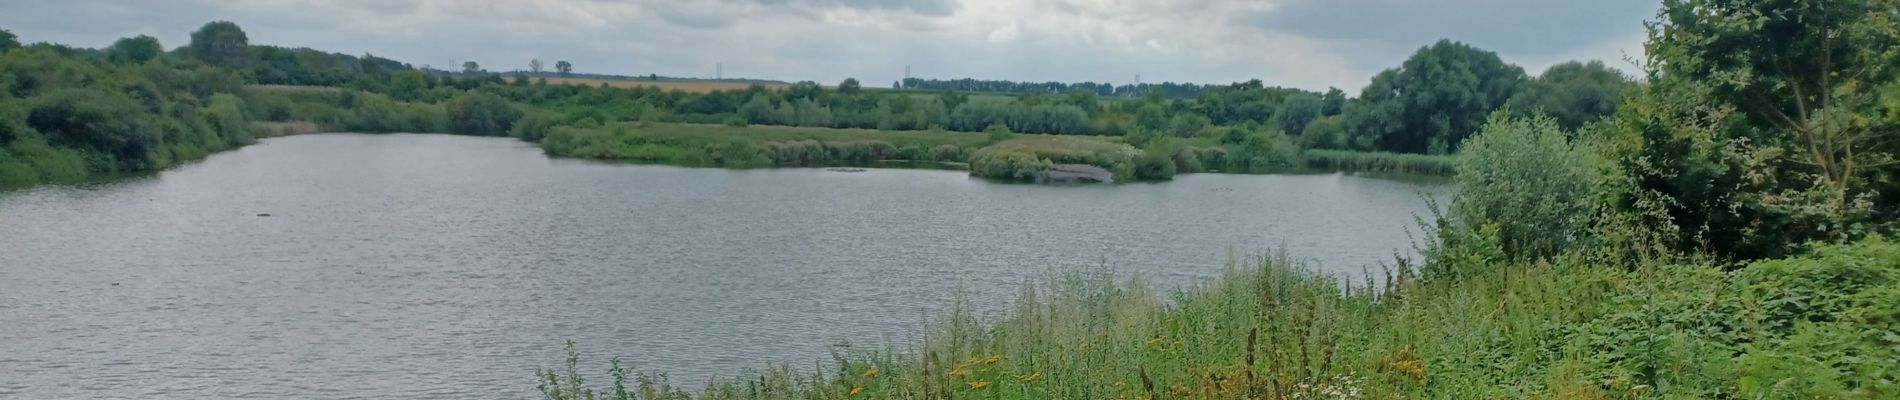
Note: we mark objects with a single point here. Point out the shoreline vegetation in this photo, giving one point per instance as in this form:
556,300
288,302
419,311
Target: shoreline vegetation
1718,229
1723,233
71,113
1269,328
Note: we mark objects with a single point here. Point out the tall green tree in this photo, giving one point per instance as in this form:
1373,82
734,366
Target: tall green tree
1296,111
563,67
1763,126
471,67
8,41
1333,102
1574,93
1435,99
221,43
134,50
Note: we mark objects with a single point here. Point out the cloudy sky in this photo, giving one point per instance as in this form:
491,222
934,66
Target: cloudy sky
1309,44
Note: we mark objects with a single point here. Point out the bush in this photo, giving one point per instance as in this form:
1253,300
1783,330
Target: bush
946,152
534,126
1007,164
1523,177
481,113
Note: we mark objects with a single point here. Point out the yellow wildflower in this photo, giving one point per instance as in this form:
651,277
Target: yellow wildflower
1413,367
856,389
994,358
959,371
1032,376
979,384
870,373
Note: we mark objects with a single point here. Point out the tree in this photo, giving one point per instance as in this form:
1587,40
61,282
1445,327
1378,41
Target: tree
564,67
134,50
470,67
1762,127
1298,110
849,86
1522,179
480,113
1436,98
1574,93
8,41
534,66
1333,102
409,85
221,43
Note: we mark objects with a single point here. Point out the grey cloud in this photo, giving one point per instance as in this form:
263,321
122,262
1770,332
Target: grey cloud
935,8
694,19
1524,27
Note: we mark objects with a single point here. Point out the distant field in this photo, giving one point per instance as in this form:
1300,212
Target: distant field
687,86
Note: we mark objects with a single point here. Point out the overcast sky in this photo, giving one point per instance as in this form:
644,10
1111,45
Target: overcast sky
1310,44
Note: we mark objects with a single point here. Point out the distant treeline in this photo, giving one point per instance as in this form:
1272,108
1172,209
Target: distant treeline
1165,89
1414,108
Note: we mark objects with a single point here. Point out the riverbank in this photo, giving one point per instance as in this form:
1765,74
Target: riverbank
1269,328
991,155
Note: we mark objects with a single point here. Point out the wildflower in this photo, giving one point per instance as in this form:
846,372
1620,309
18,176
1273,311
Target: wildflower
993,359
959,371
1410,367
979,384
1032,376
856,389
870,373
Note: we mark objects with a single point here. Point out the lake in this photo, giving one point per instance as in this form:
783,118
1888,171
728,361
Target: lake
431,266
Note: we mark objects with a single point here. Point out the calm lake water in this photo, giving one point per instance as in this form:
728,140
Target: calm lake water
430,266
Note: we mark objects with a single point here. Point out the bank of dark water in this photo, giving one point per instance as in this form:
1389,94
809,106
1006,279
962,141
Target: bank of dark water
429,266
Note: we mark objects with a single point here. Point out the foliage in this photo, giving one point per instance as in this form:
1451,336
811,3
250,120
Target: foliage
480,113
1822,326
1002,163
1298,111
66,116
1760,129
134,50
1521,177
221,43
8,41
1379,161
1428,105
1574,93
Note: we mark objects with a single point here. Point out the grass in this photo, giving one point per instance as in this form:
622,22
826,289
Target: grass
1821,326
686,86
1379,161
757,145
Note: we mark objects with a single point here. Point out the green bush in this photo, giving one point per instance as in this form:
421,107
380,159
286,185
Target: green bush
1007,164
1524,177
480,113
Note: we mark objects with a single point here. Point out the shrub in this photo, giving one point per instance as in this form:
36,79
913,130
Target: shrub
1007,164
1525,178
480,113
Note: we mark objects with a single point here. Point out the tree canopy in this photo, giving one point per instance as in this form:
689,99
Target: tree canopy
221,43
1573,92
1436,98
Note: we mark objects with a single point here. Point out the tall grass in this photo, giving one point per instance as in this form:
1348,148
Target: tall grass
1379,161
1271,329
